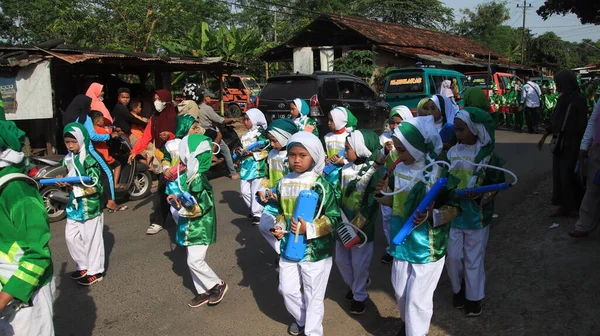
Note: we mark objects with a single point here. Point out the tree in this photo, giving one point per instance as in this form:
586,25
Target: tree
430,14
358,62
549,48
586,10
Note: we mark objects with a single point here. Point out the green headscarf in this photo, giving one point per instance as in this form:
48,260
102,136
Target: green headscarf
302,107
183,124
342,115
11,143
481,117
282,130
365,143
82,136
476,97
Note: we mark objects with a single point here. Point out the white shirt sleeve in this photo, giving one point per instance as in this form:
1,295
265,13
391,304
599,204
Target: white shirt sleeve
590,130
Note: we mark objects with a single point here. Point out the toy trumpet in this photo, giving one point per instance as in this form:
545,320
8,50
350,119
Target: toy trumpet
330,166
69,179
251,147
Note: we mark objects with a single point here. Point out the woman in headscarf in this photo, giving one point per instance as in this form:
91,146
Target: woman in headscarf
567,127
299,110
253,164
96,92
160,129
78,111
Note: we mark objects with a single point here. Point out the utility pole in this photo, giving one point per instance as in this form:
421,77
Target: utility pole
525,5
275,36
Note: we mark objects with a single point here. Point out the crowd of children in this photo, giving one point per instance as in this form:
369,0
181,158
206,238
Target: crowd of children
347,177
317,202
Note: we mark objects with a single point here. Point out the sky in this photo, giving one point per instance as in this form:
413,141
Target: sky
568,27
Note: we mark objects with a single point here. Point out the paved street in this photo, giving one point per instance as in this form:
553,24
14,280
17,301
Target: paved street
148,285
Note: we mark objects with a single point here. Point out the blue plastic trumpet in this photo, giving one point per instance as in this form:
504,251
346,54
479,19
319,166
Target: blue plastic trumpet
251,147
483,189
70,179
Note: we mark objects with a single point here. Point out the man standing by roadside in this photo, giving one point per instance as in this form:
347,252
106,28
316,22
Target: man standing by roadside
530,98
208,119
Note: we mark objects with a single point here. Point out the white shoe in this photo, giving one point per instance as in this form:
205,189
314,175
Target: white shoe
154,229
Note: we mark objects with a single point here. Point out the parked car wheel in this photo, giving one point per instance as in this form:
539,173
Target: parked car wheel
56,210
141,186
234,111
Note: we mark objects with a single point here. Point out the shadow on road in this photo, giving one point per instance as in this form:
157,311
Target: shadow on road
256,259
74,308
235,202
178,256
109,243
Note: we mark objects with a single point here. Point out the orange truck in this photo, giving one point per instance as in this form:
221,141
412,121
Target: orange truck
238,92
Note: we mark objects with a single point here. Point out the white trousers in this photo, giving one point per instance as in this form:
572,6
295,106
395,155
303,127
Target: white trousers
35,319
174,214
465,255
267,221
354,266
203,276
86,244
414,285
386,220
307,306
249,189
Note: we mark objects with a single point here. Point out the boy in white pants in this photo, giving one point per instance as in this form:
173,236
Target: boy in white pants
469,232
85,220
253,164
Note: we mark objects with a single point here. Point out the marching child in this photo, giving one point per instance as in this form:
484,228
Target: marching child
419,260
550,100
26,285
85,220
299,110
389,156
443,111
470,231
341,122
278,133
254,164
197,226
358,181
303,283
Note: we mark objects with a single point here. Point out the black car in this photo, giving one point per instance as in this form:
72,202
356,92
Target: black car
324,91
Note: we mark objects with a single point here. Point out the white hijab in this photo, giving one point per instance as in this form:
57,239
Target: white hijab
357,142
258,119
313,145
483,137
425,126
445,89
340,118
446,107
403,111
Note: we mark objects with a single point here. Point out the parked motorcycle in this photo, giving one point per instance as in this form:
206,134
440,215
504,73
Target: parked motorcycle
136,177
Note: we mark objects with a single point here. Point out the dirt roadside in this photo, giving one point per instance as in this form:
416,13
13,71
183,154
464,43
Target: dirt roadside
540,281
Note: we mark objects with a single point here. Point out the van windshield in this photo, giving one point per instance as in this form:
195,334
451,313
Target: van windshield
405,83
480,80
289,88
252,85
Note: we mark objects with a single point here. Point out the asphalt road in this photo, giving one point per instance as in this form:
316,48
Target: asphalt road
147,286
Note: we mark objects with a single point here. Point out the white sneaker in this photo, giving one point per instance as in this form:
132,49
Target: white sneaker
154,229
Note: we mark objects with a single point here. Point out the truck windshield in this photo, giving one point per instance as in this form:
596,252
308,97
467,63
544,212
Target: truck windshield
289,88
480,80
405,83
251,85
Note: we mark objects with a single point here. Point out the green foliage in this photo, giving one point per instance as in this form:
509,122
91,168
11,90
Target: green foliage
360,63
431,14
586,10
549,48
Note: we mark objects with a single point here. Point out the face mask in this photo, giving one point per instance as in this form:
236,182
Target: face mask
101,98
159,106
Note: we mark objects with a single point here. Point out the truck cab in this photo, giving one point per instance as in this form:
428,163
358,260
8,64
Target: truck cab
238,91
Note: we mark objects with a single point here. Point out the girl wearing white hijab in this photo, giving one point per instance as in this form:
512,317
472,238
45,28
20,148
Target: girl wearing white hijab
388,155
443,111
306,158
341,122
253,165
419,261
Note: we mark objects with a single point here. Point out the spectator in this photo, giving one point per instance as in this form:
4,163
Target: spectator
209,119
96,92
191,98
102,147
530,98
567,127
160,129
122,118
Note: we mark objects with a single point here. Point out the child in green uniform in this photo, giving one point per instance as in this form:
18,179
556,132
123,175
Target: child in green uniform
300,110
278,133
341,123
419,260
85,220
197,226
303,283
550,99
254,164
26,285
358,180
388,156
470,231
